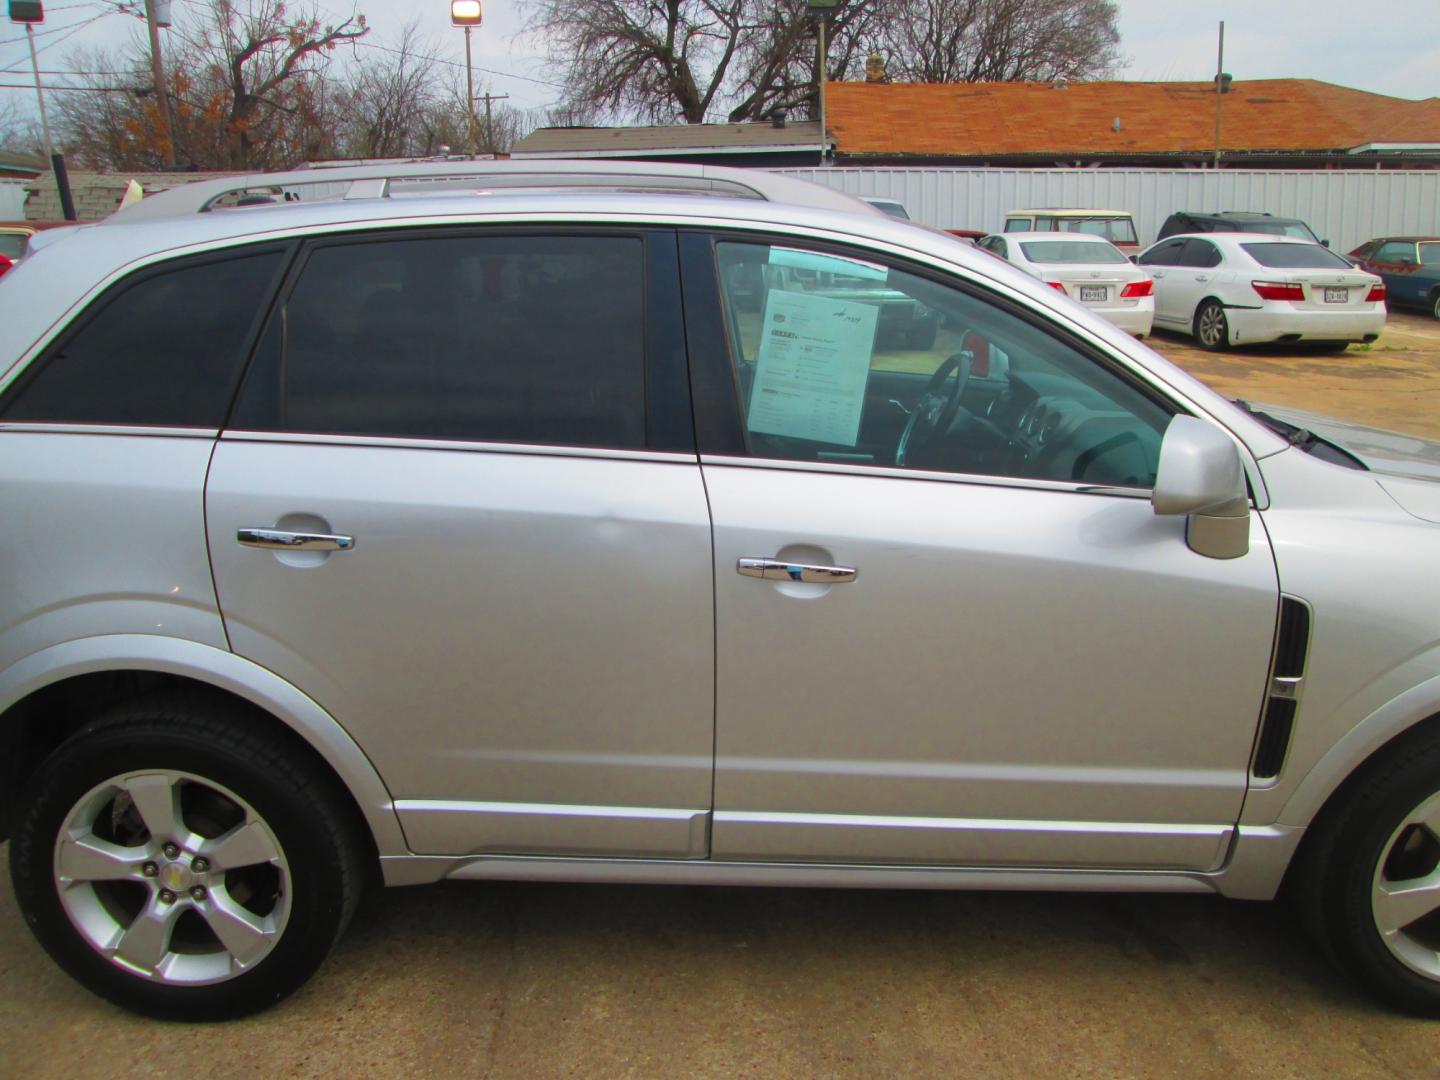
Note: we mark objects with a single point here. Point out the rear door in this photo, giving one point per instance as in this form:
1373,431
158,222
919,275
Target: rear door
1162,262
459,506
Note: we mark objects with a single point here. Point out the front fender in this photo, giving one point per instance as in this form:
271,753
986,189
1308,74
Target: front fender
1395,717
226,671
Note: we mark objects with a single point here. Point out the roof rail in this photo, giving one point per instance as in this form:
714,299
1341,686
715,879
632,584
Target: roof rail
380,181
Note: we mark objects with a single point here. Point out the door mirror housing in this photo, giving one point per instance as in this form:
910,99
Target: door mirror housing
1201,476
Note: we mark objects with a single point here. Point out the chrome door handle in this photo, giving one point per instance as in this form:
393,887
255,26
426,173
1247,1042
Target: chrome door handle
779,570
1202,277
285,540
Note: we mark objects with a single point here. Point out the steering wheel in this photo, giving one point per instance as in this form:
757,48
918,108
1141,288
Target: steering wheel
936,408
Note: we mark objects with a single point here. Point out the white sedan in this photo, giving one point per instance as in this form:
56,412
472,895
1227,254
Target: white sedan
1233,288
1089,269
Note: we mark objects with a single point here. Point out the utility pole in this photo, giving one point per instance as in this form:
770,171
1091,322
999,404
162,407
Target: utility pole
1219,89
822,10
157,73
488,97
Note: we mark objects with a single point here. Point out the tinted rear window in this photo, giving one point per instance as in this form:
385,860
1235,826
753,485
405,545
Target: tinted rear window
1297,230
163,350
1296,256
1070,251
12,245
529,339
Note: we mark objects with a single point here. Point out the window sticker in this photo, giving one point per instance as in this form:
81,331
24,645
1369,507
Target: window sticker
828,264
812,367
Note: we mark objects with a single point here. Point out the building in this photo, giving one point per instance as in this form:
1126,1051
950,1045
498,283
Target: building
1266,123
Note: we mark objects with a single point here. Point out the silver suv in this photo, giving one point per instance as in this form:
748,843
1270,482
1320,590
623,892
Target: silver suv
472,523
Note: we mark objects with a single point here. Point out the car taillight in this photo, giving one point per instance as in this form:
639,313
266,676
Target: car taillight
1278,290
1138,289
1055,285
1376,295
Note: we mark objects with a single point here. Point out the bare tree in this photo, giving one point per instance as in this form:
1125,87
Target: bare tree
377,103
662,60
777,61
998,40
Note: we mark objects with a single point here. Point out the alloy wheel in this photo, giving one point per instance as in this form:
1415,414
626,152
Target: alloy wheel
1405,894
172,877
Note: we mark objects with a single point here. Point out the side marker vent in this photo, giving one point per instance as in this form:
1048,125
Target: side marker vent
1287,679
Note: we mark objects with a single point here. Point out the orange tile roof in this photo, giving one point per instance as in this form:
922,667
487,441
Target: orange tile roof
966,119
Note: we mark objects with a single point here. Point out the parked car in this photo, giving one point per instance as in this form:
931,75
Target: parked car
1117,226
14,239
15,236
1409,266
1190,221
888,207
493,537
1086,268
1232,288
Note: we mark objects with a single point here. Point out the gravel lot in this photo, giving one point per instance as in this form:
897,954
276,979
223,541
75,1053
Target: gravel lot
555,980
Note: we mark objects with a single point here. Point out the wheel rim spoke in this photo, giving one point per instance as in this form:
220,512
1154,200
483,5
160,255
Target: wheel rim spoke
245,845
147,941
89,858
1397,904
245,936
157,800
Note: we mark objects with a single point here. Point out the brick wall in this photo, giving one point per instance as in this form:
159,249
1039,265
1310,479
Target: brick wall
97,195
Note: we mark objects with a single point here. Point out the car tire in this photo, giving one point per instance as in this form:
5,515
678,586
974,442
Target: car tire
1435,303
180,859
1211,328
1351,885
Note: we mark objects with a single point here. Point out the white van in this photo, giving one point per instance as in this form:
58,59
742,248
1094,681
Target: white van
1117,226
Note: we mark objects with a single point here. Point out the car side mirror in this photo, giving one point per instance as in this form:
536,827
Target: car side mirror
1135,258
1201,476
1324,243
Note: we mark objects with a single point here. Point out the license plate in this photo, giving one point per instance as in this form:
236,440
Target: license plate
1337,296
1093,294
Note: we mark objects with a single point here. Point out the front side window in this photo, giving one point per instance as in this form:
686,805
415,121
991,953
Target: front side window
1019,224
1395,251
162,349
1430,254
530,339
841,359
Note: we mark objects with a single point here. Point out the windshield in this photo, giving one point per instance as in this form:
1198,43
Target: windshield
1296,256
1117,230
1296,229
1070,251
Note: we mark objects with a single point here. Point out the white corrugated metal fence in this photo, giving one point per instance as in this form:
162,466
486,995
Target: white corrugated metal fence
1346,207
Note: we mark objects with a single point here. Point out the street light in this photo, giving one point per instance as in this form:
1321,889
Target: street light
28,13
465,14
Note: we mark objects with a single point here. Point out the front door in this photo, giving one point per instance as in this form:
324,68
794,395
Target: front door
983,649
502,587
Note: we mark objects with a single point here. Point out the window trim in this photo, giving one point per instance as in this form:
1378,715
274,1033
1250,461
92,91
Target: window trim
113,292
719,420
665,385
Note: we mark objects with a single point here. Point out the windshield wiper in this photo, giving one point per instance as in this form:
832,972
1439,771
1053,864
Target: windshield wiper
1303,439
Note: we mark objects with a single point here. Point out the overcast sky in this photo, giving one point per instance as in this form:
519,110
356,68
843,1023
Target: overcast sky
1388,46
